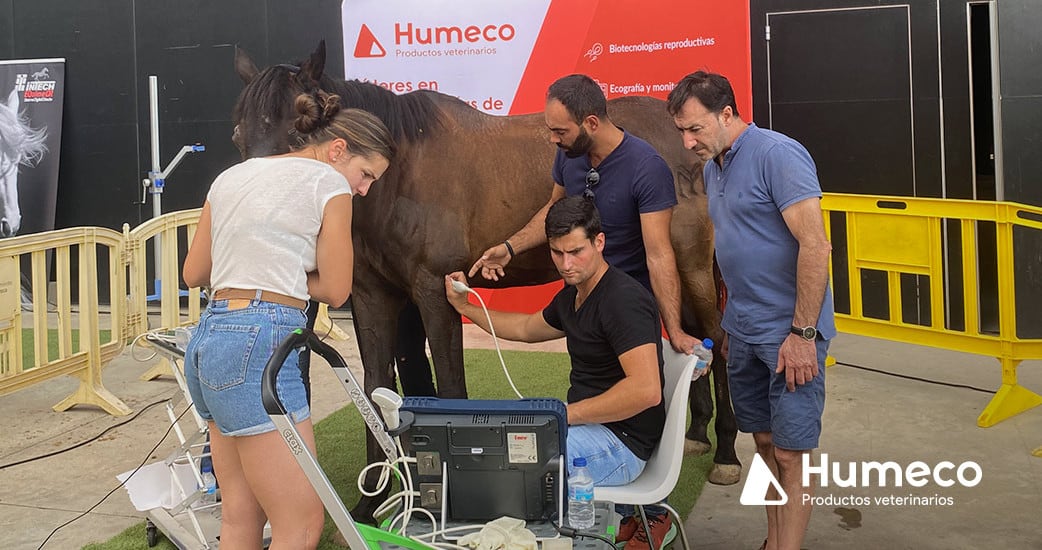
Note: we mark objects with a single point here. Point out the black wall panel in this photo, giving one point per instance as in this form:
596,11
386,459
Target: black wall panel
99,126
838,62
112,46
1020,58
6,29
853,81
845,72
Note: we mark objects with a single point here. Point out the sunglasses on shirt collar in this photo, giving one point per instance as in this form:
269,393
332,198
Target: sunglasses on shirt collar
592,179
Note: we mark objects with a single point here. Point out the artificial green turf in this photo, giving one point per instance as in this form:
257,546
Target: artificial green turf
29,353
341,436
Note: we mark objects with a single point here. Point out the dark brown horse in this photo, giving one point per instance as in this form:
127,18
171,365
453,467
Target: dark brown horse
462,181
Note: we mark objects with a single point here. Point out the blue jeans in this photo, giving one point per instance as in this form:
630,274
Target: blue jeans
609,460
226,357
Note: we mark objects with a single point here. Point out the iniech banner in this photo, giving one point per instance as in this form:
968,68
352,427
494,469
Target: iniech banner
31,92
501,56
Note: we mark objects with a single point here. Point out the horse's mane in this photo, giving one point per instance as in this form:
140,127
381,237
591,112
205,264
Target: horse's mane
18,140
270,95
412,116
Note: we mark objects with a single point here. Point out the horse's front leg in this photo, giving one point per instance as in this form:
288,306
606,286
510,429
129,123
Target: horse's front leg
444,335
374,308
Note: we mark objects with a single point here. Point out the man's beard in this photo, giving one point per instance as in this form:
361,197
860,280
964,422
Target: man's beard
579,147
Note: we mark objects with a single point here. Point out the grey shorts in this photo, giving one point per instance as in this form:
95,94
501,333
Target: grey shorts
763,404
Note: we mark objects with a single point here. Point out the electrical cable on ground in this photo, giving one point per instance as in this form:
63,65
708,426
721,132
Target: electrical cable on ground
122,483
916,378
82,443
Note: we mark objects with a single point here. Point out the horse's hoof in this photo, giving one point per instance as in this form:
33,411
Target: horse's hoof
364,511
696,448
725,474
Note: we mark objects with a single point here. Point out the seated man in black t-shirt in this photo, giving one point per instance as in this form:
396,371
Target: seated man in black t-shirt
611,323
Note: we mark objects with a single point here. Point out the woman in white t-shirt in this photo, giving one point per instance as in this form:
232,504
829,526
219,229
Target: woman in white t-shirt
274,232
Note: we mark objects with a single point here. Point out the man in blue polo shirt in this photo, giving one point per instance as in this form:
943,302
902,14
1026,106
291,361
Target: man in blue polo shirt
765,203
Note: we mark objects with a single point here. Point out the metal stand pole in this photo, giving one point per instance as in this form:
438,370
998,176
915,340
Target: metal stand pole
154,174
156,180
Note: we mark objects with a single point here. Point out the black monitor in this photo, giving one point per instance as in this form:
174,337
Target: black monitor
500,458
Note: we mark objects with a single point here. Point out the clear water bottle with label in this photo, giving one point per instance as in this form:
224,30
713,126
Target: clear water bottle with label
703,357
209,486
580,496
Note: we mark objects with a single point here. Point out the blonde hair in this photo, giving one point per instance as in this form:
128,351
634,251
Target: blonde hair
321,118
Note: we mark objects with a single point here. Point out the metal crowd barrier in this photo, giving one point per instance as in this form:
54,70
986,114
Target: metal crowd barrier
78,255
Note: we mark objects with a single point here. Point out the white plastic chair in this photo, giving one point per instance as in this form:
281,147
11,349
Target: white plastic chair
660,474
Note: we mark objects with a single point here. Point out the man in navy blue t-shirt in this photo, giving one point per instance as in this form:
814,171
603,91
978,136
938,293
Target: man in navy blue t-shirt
631,185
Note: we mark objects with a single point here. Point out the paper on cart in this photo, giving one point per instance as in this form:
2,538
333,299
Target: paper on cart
153,486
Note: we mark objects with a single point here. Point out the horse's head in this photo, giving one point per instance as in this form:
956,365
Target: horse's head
264,111
19,144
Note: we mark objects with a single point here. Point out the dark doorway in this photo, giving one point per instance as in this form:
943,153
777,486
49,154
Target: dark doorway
983,142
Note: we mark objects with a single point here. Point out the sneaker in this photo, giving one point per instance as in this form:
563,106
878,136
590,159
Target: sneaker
660,528
627,527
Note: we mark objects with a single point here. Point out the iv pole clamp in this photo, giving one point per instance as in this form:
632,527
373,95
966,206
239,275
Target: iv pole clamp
156,180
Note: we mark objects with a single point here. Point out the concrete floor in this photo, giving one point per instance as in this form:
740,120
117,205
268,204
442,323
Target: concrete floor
868,416
877,417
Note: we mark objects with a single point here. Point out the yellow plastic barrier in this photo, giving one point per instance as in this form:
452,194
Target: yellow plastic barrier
899,235
94,249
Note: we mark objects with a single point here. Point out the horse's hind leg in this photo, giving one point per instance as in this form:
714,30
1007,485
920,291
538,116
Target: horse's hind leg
410,354
700,400
700,300
374,307
727,469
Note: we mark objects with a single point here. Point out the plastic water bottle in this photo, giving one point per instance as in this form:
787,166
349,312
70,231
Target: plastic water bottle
580,496
703,357
209,486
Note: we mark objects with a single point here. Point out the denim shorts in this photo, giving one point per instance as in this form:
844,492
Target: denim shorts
608,459
761,401
226,357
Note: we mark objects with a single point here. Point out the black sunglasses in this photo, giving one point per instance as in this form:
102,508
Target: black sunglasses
592,179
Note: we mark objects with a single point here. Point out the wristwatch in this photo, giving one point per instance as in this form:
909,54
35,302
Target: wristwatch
807,333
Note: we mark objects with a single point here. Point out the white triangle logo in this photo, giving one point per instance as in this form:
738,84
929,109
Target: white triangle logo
759,480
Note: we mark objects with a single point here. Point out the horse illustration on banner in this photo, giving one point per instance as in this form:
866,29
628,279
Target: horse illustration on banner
20,145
